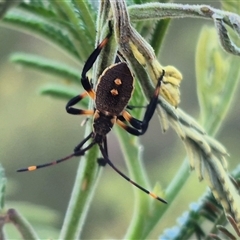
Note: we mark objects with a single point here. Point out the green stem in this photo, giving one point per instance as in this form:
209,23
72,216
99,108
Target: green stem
87,174
159,11
85,182
22,225
159,34
131,148
171,192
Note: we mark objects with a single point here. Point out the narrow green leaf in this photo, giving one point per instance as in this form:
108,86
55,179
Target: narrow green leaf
45,11
44,29
84,43
5,5
51,12
62,92
86,13
47,66
58,91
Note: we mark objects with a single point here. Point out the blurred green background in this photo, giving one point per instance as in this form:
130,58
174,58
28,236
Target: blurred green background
36,129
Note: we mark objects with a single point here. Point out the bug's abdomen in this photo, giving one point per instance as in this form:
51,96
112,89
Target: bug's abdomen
114,89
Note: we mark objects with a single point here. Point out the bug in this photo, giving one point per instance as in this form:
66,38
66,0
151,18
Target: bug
114,89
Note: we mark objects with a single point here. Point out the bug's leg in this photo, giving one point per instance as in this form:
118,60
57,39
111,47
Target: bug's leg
131,107
77,152
35,167
76,111
78,147
109,162
141,126
89,63
102,161
128,128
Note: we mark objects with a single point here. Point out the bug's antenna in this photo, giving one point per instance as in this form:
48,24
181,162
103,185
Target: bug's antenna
108,161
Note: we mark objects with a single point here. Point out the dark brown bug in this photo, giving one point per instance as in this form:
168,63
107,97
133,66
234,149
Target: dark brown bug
113,92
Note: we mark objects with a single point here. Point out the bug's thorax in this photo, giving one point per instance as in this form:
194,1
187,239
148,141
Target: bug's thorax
102,125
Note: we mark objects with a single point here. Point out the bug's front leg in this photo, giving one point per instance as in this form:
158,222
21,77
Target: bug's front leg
76,111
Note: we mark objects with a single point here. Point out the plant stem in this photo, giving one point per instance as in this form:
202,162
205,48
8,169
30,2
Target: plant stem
87,174
22,225
131,148
171,192
85,182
